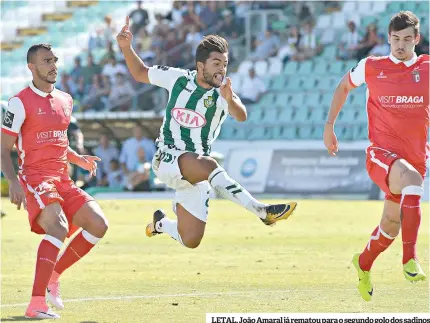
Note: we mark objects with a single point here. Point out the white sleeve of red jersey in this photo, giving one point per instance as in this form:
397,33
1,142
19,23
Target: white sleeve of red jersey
14,117
357,74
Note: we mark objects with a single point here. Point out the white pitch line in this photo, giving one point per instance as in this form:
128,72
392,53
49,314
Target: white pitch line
211,294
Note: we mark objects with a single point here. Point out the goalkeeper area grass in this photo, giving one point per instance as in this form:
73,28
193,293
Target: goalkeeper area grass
299,265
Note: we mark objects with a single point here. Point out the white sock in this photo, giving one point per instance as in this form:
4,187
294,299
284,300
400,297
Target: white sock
230,189
170,227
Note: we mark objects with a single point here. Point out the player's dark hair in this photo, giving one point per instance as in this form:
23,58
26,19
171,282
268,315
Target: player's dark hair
33,50
403,20
209,44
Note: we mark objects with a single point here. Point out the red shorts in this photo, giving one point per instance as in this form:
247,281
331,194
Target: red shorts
378,165
41,191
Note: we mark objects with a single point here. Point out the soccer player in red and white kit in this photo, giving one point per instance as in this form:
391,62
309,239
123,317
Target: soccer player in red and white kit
36,122
398,118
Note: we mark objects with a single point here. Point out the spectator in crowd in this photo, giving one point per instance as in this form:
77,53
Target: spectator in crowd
159,32
121,95
308,45
66,84
139,18
349,42
90,70
115,177
112,68
209,14
97,95
230,28
175,16
129,157
110,52
190,18
266,45
368,42
76,71
107,153
305,14
290,48
80,91
109,31
193,38
242,7
381,48
423,46
138,179
172,58
252,88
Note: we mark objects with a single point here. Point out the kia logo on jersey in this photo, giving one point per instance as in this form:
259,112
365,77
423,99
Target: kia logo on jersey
188,118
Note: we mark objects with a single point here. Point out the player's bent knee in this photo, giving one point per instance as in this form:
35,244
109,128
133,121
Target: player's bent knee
412,177
53,221
191,241
208,163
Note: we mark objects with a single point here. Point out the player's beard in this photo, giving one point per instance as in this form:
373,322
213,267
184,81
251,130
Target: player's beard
209,78
45,78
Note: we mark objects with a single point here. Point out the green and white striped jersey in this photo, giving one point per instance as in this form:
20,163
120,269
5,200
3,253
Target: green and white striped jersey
193,114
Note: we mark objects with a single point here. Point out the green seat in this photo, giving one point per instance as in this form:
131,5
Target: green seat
291,68
298,100
336,67
294,84
301,115
395,6
270,116
267,99
281,99
279,83
309,82
330,52
255,113
318,132
321,67
305,68
286,114
305,131
326,98
313,100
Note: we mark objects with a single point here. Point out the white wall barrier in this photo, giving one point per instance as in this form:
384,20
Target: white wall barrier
300,167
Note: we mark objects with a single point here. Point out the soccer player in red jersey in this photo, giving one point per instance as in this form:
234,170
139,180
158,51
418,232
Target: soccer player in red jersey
398,118
36,122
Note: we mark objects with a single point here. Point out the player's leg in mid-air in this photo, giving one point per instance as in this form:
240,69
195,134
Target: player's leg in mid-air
197,170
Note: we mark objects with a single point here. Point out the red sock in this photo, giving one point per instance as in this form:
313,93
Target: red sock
46,258
77,248
411,219
379,241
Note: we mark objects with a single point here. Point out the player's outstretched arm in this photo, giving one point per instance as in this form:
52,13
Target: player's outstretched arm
235,107
136,66
339,98
16,193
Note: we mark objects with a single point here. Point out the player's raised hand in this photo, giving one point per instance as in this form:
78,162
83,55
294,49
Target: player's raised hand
16,194
88,163
125,37
330,139
226,90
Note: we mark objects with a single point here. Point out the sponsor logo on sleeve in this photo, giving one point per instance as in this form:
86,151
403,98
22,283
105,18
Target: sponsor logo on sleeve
8,119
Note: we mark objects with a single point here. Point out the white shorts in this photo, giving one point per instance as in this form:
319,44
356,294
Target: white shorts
193,198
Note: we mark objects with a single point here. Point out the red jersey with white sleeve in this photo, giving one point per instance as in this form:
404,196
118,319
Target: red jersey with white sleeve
397,105
40,120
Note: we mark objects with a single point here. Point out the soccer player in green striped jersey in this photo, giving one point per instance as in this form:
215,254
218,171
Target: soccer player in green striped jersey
199,102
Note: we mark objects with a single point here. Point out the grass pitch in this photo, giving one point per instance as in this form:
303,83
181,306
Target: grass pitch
300,265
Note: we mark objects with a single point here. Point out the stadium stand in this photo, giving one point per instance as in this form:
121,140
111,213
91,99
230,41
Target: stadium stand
300,42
